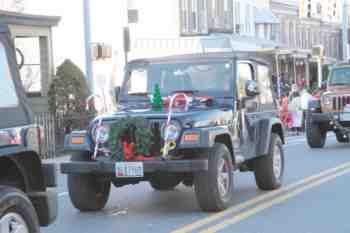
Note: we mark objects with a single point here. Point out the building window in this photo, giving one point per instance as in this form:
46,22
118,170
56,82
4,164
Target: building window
274,32
247,19
315,37
221,15
266,31
31,70
237,18
133,16
286,33
194,17
303,38
310,38
291,34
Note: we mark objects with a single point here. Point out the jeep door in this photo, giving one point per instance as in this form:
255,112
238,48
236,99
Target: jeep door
14,110
246,108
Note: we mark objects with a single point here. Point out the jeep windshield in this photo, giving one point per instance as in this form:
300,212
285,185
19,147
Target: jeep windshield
200,78
340,76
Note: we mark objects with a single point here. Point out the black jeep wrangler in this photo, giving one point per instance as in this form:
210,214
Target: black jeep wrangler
190,119
25,201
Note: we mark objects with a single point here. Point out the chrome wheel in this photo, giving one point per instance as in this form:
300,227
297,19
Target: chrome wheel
277,161
223,177
13,223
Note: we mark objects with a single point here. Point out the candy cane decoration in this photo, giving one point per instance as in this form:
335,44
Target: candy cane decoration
99,124
167,143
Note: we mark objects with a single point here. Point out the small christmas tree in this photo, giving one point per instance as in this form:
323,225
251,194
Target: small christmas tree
157,101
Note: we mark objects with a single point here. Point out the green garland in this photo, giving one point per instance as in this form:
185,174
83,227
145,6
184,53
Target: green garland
137,128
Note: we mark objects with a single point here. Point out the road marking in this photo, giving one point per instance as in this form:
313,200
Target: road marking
276,201
234,209
63,194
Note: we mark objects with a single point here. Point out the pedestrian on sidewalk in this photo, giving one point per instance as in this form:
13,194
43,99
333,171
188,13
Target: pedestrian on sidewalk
305,98
294,107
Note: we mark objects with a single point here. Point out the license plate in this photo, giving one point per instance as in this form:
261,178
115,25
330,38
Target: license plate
129,169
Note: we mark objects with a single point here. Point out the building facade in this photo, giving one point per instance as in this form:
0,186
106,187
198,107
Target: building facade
298,35
189,26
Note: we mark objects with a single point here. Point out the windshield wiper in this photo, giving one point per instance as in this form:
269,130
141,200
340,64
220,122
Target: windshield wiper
139,93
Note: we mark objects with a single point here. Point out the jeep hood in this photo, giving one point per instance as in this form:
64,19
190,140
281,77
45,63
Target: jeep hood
191,118
338,90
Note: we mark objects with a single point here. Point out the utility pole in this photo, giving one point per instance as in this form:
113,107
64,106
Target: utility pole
88,55
345,22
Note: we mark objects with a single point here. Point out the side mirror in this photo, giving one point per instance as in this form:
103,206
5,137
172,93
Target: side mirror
117,90
251,88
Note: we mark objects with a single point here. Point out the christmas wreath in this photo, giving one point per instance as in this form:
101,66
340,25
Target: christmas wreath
130,137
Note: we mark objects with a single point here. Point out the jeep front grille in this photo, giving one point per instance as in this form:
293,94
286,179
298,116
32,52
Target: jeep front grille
338,102
157,140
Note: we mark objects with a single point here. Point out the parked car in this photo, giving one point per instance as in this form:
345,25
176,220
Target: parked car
219,114
331,110
25,200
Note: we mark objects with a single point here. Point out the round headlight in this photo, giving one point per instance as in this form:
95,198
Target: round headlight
171,131
100,134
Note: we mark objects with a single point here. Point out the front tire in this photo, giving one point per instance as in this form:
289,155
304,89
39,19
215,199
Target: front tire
315,135
214,187
16,211
269,169
87,192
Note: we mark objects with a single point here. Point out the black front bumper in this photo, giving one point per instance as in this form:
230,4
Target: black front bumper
97,167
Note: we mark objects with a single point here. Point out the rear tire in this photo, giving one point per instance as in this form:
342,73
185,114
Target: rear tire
167,181
214,187
315,135
341,139
16,210
87,192
269,169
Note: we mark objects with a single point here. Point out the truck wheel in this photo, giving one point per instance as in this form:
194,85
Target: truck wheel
341,139
315,135
87,192
269,169
214,187
166,181
17,213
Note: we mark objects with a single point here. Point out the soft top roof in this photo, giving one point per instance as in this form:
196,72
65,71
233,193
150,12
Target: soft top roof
256,56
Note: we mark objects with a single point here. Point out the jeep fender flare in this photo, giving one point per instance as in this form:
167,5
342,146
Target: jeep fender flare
223,135
29,167
265,127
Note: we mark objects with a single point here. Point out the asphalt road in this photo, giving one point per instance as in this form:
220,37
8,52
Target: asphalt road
314,198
